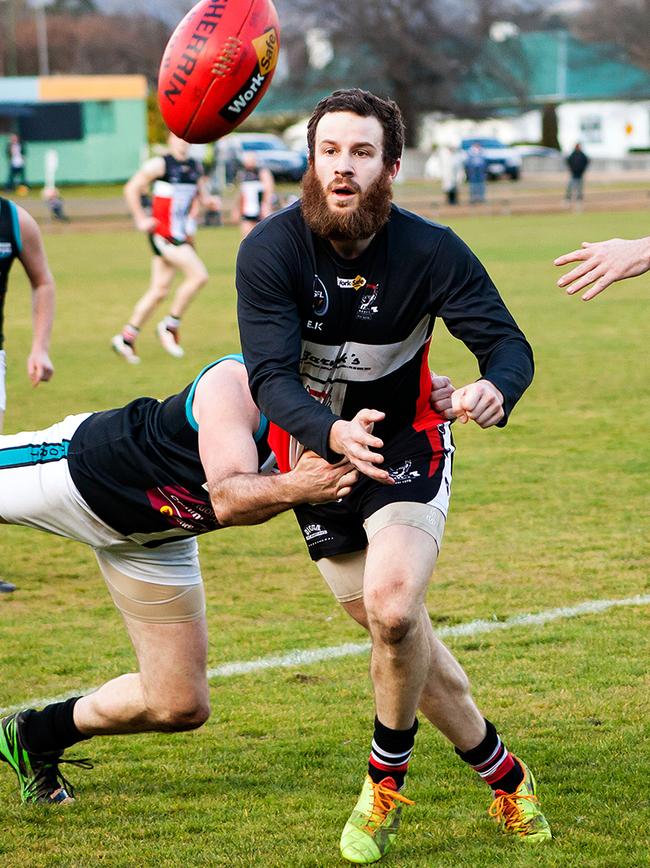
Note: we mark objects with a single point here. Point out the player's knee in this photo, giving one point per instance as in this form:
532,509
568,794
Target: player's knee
201,278
391,625
159,293
181,716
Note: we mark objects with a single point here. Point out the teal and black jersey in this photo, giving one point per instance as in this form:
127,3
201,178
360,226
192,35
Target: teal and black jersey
138,467
10,247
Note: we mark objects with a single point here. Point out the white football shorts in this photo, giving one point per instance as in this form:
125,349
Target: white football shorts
36,490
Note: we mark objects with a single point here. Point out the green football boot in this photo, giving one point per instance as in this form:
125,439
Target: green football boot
373,824
39,775
519,813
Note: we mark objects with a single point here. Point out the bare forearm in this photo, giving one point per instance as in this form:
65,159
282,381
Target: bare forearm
43,304
133,196
248,498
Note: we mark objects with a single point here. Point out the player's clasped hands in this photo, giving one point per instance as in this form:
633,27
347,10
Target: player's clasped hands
441,391
321,480
356,442
480,402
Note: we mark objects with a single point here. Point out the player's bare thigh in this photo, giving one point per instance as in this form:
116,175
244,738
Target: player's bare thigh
184,258
345,574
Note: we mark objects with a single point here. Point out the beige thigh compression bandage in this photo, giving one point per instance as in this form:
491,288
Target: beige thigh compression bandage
151,602
344,573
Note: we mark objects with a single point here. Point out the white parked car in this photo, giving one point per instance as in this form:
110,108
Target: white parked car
271,152
501,159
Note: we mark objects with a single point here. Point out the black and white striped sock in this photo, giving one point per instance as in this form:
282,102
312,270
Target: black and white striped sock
390,753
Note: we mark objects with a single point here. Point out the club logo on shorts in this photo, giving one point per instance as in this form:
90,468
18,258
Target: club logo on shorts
402,473
320,302
314,531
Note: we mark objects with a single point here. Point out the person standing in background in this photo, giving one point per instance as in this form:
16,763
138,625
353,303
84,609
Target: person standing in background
450,173
476,169
577,161
16,161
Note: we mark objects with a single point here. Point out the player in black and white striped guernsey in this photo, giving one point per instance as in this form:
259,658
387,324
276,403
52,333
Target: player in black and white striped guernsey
338,296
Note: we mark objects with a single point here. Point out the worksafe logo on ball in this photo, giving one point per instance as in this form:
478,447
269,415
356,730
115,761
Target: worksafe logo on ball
266,47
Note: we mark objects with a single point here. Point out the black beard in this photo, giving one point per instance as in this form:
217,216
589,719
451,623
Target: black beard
354,224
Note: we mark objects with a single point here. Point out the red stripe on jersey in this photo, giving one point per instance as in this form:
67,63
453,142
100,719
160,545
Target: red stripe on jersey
161,211
279,441
425,416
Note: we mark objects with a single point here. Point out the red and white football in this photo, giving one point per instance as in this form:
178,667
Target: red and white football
216,67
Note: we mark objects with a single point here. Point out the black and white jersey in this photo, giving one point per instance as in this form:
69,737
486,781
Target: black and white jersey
173,195
138,467
10,247
251,191
356,333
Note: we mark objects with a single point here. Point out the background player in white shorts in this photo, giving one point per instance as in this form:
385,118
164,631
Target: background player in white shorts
178,186
138,484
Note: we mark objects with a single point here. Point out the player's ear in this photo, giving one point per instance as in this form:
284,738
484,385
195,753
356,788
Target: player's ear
394,169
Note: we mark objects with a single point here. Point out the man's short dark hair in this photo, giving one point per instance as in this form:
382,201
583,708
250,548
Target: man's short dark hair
365,104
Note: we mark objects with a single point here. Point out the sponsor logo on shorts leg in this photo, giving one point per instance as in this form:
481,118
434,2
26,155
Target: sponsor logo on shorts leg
402,474
314,531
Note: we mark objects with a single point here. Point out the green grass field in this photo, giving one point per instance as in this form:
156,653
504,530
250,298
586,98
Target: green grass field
550,512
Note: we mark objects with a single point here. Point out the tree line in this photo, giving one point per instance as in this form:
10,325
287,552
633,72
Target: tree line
419,50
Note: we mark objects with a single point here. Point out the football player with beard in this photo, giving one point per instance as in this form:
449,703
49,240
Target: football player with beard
338,295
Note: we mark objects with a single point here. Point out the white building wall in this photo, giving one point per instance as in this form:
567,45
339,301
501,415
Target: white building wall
436,131
604,129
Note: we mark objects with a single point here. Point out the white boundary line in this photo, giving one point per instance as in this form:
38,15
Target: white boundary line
317,655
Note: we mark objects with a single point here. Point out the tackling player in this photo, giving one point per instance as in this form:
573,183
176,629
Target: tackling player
138,484
338,295
179,185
